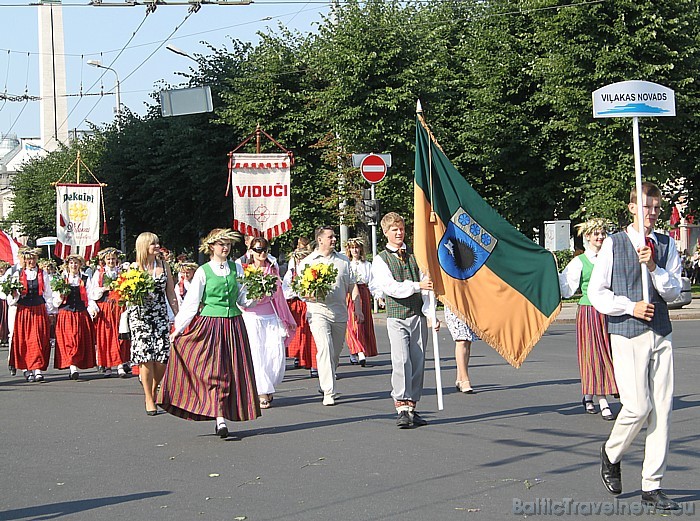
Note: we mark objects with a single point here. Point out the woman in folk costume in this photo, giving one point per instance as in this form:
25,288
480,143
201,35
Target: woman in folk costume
149,323
5,273
50,268
360,335
210,372
75,334
30,349
269,323
594,354
111,350
186,270
302,346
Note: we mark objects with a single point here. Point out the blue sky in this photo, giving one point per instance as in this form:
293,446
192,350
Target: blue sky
100,33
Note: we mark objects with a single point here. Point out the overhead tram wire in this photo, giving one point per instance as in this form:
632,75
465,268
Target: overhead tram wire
190,13
99,79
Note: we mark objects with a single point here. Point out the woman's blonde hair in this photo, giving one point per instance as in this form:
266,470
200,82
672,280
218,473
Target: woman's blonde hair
143,241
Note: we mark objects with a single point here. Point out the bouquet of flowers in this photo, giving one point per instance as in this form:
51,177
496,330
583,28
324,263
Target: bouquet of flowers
107,281
10,285
59,285
132,286
315,281
257,283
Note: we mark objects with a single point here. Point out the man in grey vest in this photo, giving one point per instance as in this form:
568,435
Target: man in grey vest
640,338
396,276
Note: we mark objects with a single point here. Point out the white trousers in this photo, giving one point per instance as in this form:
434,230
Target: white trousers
329,337
644,375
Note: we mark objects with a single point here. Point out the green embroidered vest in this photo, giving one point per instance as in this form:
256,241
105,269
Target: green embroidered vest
220,293
585,279
403,308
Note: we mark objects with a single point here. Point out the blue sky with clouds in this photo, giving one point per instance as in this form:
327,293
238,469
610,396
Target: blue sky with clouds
100,33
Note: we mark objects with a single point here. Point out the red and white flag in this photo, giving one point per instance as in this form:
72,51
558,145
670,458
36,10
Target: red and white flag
9,248
261,193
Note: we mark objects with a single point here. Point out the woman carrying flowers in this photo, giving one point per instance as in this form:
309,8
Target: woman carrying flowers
30,349
360,335
210,372
75,334
269,322
111,350
146,289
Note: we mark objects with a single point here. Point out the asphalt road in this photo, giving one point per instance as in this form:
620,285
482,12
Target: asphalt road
86,450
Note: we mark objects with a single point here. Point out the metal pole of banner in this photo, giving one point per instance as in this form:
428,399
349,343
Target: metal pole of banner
374,244
436,352
640,204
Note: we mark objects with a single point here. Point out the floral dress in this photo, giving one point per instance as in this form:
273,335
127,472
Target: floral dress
150,326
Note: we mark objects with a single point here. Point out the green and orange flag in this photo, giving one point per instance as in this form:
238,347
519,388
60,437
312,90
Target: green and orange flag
502,284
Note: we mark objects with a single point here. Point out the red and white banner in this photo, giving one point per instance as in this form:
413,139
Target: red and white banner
77,220
9,248
261,193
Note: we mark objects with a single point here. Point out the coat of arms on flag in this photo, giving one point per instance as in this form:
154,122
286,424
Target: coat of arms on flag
502,284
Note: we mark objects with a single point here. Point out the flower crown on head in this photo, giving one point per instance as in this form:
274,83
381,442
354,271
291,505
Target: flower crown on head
29,252
79,258
588,227
355,241
4,264
187,265
226,234
108,251
45,263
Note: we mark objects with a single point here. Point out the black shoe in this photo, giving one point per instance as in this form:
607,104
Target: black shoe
363,362
659,500
404,420
418,420
296,363
13,371
39,378
610,473
152,413
588,406
222,431
74,375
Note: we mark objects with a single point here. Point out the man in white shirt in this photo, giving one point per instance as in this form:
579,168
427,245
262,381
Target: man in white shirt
328,319
640,338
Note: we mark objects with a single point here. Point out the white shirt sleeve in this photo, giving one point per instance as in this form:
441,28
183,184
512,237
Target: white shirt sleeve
385,283
600,286
667,281
570,278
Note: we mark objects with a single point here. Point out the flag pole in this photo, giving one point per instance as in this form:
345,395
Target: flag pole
433,306
436,352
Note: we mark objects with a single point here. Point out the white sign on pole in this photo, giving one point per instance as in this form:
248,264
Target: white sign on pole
635,99
628,99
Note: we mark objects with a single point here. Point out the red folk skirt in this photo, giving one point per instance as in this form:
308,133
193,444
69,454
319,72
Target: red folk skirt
360,336
30,338
111,351
302,347
75,340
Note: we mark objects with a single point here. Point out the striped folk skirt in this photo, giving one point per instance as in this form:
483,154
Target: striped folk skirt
360,336
111,351
75,340
302,347
30,338
210,372
594,355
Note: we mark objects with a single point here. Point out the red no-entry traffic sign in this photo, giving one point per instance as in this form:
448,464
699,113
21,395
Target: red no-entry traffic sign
373,168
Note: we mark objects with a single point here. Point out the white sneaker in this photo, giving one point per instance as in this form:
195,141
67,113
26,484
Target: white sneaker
328,400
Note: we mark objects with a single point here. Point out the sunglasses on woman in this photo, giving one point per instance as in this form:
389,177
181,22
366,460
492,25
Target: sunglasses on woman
258,249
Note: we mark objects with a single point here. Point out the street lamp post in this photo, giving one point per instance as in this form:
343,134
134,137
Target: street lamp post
174,49
118,112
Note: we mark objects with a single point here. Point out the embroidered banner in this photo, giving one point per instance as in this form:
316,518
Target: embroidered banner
261,190
77,220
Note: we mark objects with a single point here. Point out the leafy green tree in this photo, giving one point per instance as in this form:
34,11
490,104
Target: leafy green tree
34,196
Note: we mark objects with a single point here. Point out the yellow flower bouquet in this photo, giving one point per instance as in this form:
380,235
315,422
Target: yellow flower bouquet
258,284
132,286
315,281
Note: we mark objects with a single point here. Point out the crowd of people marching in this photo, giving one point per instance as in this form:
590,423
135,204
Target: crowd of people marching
210,342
